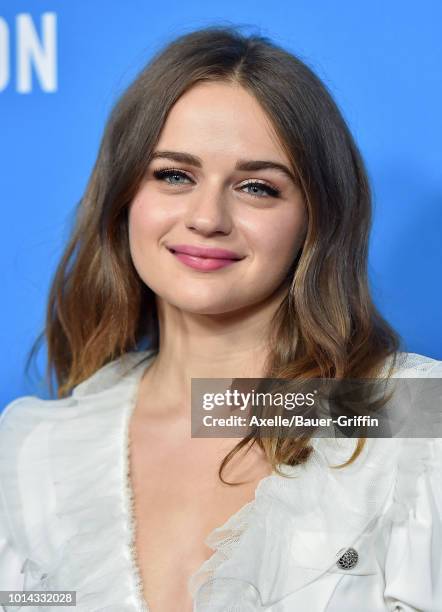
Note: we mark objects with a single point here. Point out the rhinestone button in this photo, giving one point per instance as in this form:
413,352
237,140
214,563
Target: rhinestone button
348,560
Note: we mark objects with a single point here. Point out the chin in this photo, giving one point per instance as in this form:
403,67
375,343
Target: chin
207,309
204,307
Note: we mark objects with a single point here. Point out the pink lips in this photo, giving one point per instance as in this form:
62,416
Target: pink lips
203,258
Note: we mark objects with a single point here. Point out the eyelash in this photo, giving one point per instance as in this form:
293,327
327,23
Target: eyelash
167,172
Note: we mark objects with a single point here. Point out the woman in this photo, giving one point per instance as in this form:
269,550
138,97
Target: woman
226,225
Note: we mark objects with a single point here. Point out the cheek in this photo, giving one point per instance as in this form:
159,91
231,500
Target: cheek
276,239
147,222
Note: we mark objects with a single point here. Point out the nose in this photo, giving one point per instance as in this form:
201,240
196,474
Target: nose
208,211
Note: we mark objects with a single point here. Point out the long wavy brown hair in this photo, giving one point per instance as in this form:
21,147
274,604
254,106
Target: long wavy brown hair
327,325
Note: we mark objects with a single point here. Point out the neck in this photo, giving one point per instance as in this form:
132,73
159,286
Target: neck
230,345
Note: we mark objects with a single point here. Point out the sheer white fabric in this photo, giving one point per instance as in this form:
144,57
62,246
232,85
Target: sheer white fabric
66,513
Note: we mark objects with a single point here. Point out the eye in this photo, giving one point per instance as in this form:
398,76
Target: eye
165,174
270,191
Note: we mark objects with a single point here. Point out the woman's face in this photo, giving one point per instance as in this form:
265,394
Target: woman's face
207,201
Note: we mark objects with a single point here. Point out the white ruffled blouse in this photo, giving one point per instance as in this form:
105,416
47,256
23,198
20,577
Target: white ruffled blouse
67,522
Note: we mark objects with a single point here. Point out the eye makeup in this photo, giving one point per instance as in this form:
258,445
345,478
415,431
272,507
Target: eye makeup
163,174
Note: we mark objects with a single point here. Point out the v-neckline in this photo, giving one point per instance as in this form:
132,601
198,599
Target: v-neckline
129,496
128,490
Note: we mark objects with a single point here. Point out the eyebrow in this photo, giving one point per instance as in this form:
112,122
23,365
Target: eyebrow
241,164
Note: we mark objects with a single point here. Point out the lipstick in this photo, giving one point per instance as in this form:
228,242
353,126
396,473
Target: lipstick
204,259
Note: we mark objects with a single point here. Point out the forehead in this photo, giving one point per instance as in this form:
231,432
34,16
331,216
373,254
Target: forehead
224,119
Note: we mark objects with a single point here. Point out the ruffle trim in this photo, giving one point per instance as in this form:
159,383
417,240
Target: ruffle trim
308,519
99,556
95,552
220,584
418,457
294,531
129,503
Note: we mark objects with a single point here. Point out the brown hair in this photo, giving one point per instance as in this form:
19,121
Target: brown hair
327,326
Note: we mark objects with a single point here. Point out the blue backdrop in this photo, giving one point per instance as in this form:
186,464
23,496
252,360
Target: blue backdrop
63,64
